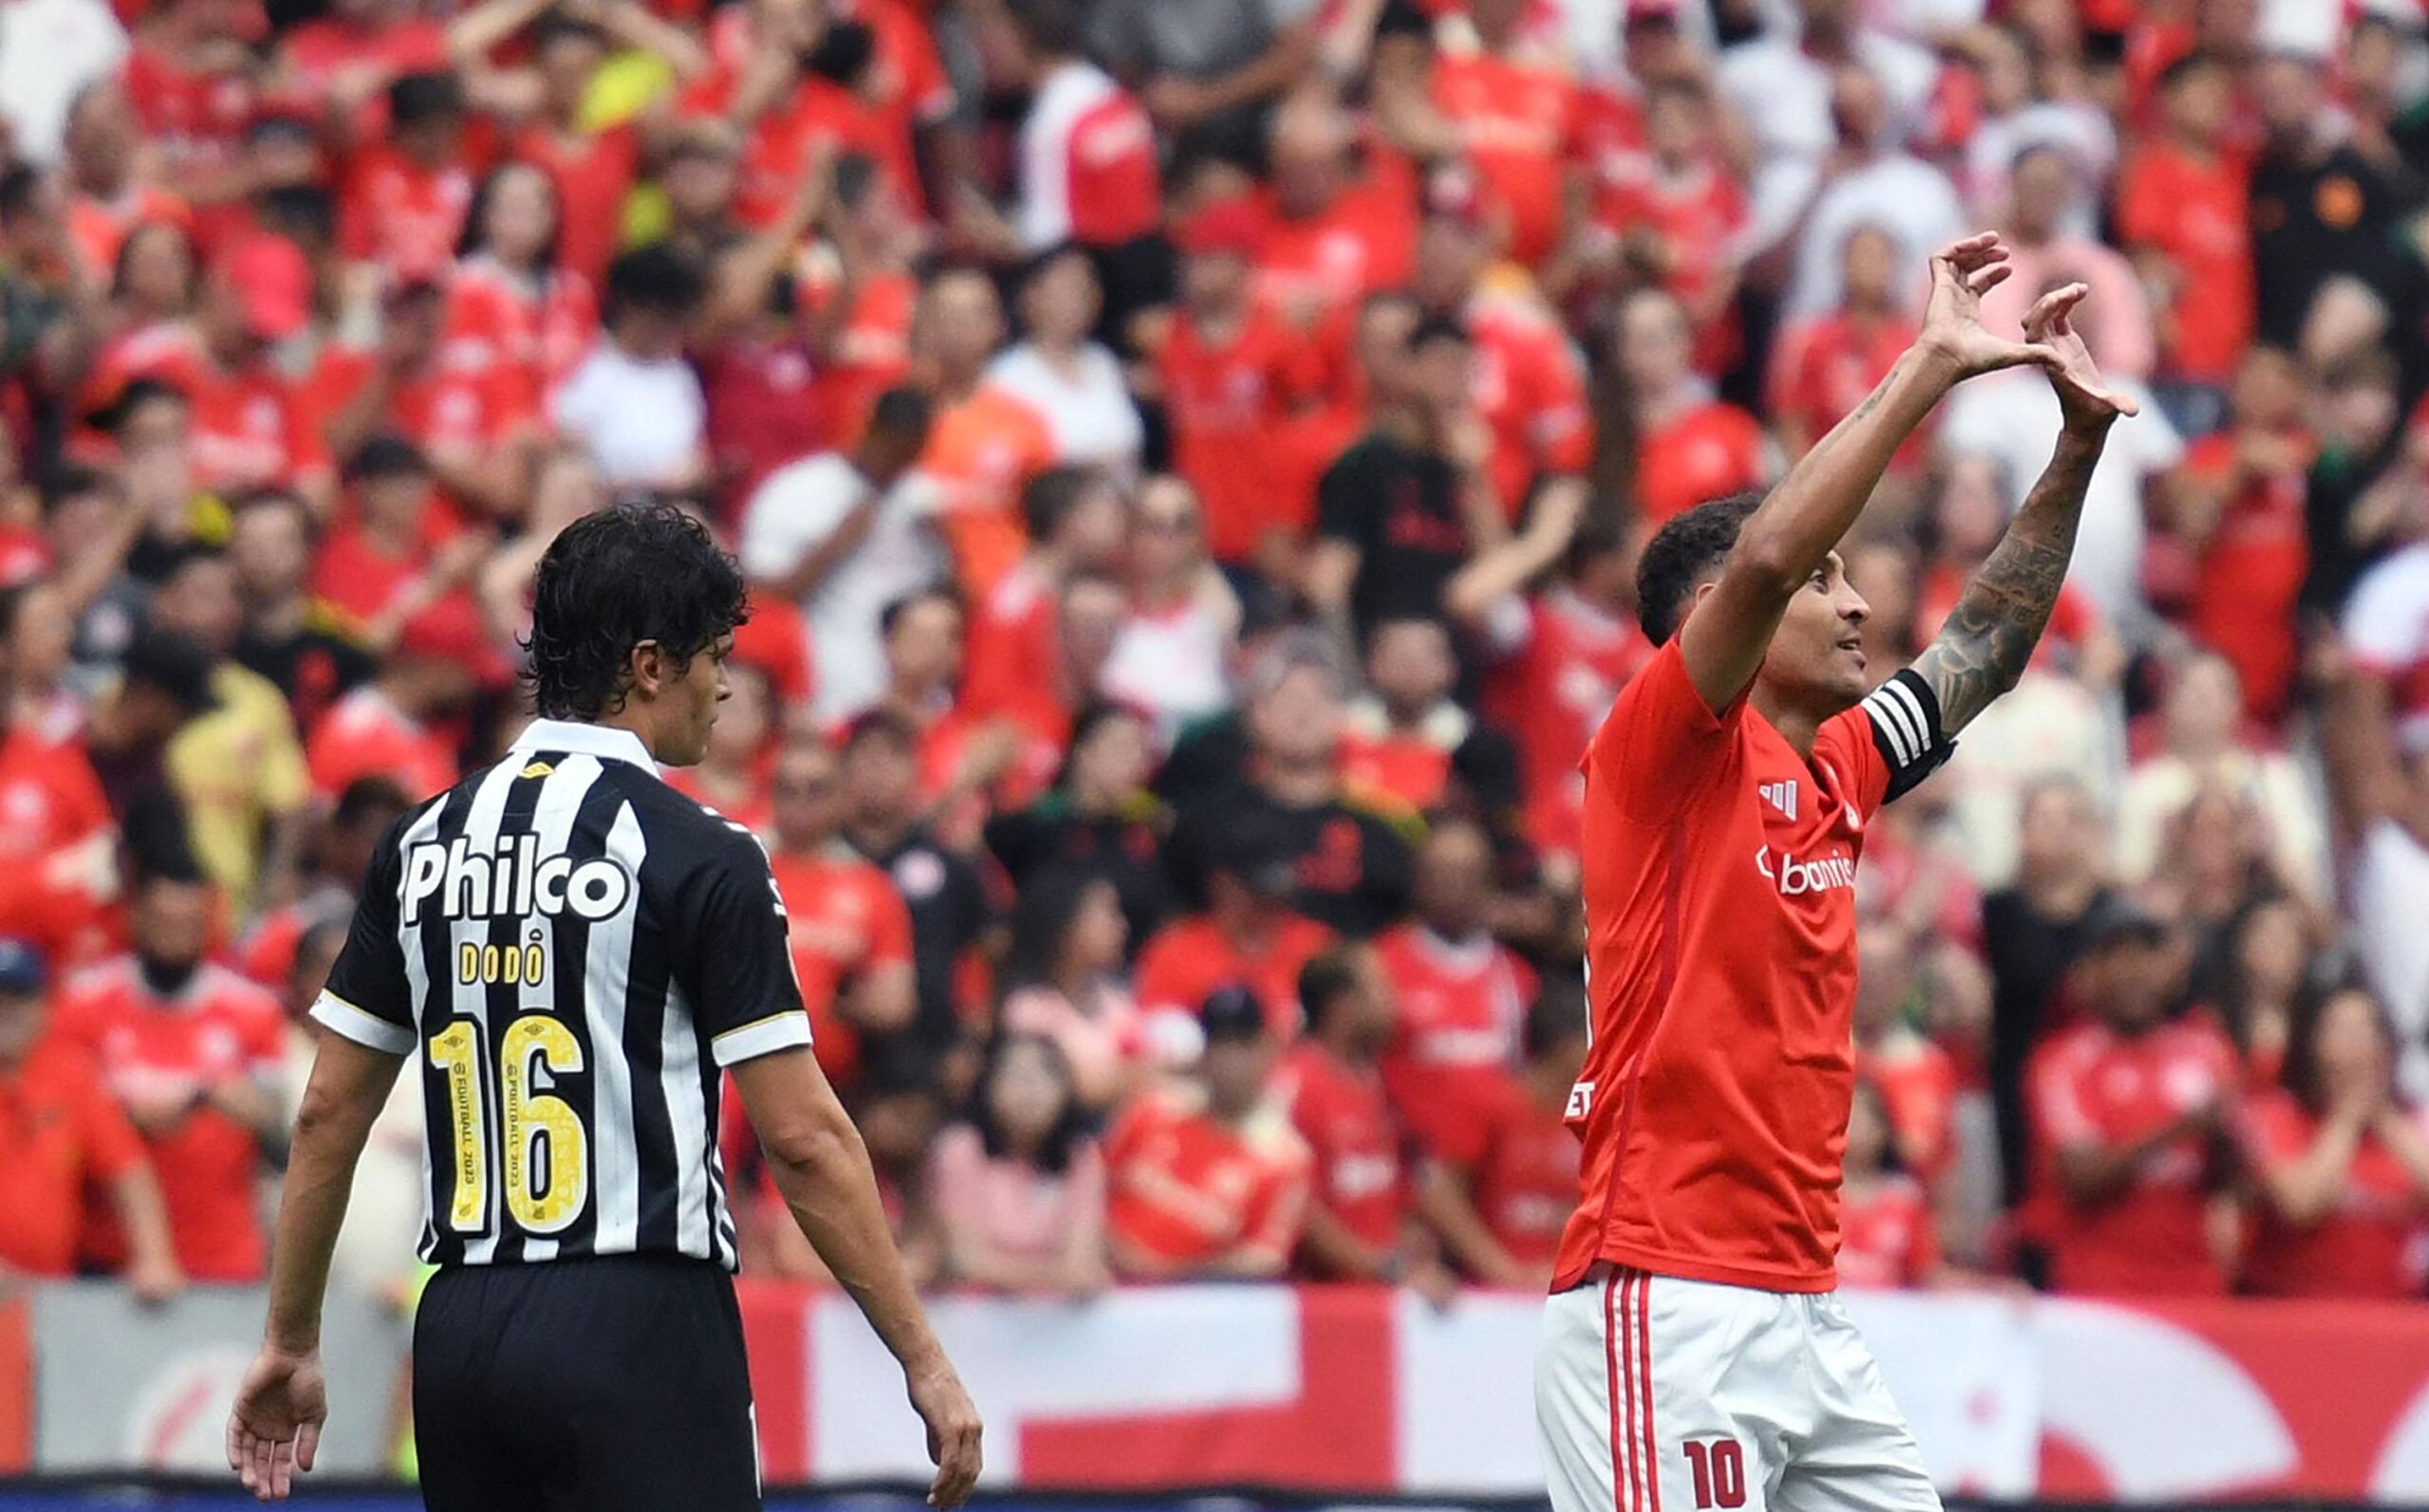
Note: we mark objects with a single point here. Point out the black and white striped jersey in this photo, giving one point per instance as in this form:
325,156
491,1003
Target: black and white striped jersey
568,952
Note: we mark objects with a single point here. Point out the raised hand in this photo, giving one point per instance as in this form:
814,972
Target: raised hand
1962,272
2086,403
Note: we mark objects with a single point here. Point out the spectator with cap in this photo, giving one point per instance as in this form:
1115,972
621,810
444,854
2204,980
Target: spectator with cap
1206,1178
2131,1108
1019,1184
634,404
61,1133
1362,1222
1501,1190
392,724
195,1055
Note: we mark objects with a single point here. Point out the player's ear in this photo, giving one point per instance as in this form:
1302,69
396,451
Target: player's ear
648,669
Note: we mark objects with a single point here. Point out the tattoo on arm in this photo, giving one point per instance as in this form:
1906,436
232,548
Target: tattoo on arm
1982,650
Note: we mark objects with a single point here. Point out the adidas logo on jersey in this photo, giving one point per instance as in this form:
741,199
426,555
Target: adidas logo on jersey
1781,796
512,881
1797,878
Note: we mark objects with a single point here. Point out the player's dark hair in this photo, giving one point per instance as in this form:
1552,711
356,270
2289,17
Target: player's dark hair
1681,555
1049,497
1071,1128
655,280
1559,1015
892,614
610,580
1328,977
423,99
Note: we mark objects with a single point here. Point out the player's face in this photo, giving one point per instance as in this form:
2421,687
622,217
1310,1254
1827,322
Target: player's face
693,696
1818,652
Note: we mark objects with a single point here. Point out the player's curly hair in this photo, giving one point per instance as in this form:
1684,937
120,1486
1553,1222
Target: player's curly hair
610,580
1681,555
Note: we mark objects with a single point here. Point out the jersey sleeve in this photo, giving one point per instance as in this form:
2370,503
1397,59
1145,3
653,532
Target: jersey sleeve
737,957
1661,742
366,998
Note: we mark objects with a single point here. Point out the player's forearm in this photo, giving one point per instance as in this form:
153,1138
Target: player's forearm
1990,633
1813,509
312,1209
826,1180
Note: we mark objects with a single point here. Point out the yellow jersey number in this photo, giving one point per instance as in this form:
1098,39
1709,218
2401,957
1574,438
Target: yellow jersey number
547,1152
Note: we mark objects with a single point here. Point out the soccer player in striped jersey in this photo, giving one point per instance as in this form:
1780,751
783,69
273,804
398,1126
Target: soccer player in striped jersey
568,953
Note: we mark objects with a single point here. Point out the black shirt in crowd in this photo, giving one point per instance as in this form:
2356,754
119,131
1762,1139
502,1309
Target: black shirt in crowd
1399,507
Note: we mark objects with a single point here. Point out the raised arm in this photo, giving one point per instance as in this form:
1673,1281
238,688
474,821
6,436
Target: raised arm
1982,650
1801,520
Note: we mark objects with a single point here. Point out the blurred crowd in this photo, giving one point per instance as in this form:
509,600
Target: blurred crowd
1190,459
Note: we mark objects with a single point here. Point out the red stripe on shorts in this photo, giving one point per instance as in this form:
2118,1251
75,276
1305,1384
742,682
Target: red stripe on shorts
1612,1350
1645,1375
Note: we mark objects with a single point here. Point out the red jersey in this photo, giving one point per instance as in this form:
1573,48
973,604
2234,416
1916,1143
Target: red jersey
1720,920
249,427
1087,163
219,1026
2197,215
67,905
2249,576
1223,401
843,918
1341,1112
1523,1163
1531,389
195,121
1365,240
402,215
1010,637
538,333
49,798
1184,1189
365,735
1888,1237
593,172
1825,366
871,354
2092,1085
452,406
1189,958
2363,1247
1563,660
1706,452
1697,214
1461,1006
1917,1083
61,1134
763,411
1516,119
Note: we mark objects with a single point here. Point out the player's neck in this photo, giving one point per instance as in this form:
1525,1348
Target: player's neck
634,721
1799,728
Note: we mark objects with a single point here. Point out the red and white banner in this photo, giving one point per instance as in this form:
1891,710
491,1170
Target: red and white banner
1341,1388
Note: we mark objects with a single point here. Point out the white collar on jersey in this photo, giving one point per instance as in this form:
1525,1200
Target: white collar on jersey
609,741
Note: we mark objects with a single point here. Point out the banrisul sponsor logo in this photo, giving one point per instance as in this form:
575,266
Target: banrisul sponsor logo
510,879
1796,878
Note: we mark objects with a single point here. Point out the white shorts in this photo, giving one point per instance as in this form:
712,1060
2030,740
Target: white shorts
1656,1395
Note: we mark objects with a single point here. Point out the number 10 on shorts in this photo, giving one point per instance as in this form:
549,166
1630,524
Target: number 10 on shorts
1718,1467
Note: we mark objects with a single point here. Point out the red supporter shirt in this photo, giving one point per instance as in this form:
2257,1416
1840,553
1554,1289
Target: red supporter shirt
1184,1189
1523,1162
2364,1246
538,335
2198,216
1186,960
871,354
1516,119
250,427
1887,1237
2091,1085
1087,163
1825,366
1340,1111
67,905
195,121
763,411
219,1028
1531,389
62,1133
1010,638
1698,215
1223,402
1460,1010
1706,452
2249,576
97,229
454,406
365,735
843,918
1395,770
1917,1084
49,798
1720,908
1550,691
400,214
593,173
1365,240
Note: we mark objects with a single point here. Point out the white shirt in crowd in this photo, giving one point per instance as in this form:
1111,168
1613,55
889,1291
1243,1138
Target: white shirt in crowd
50,52
1176,664
1905,197
2386,628
795,509
2012,418
1089,411
643,423
2387,895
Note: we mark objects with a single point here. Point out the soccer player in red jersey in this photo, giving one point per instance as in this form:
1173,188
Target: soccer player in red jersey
1693,1351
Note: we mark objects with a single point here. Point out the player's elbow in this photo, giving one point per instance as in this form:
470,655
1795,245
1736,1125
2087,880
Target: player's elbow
813,1144
1767,556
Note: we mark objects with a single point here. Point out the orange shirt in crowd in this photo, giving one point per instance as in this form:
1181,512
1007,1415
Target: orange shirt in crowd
1184,1189
219,1027
2197,215
1522,1166
981,451
1516,117
1558,670
1721,943
1705,452
402,215
1886,1234
2366,1245
1531,389
1186,960
2249,575
365,735
1460,1010
1354,1147
1222,401
2092,1085
61,1135
49,798
843,918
